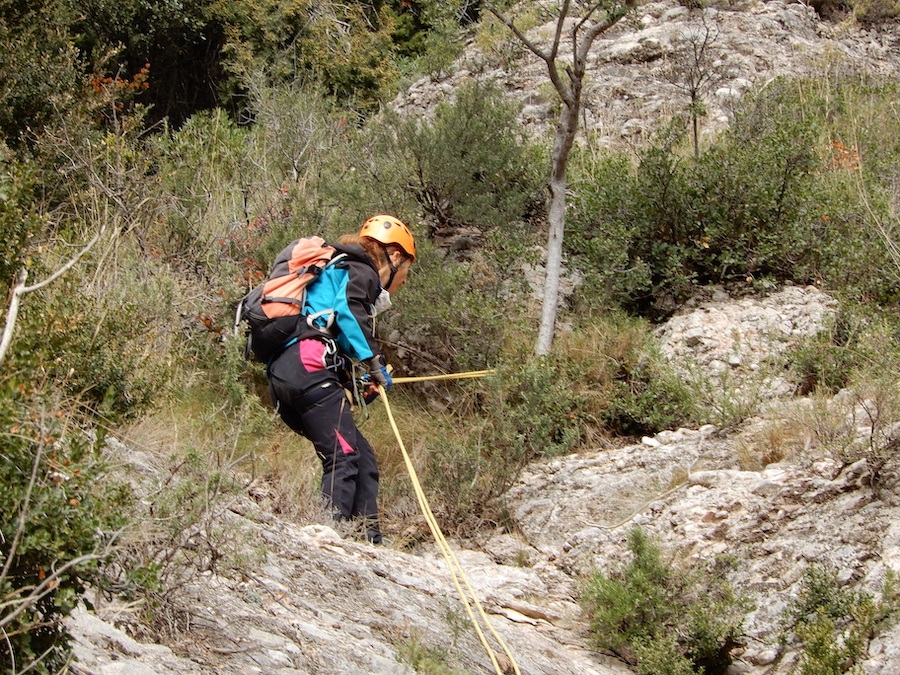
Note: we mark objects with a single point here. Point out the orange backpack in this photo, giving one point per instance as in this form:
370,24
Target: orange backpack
273,311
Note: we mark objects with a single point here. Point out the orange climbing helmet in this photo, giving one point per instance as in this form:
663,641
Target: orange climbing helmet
389,230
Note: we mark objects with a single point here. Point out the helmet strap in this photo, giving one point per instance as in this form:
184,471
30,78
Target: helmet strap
390,263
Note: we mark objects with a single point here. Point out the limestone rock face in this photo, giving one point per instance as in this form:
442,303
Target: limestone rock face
629,88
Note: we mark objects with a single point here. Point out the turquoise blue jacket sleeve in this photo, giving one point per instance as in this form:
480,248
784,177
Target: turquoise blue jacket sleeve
345,293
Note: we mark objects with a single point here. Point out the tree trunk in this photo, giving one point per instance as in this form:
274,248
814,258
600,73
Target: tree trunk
569,91
565,136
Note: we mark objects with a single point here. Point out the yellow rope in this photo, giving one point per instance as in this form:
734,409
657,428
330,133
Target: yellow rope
453,565
452,376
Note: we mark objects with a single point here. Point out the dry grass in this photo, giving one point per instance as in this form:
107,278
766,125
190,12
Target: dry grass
280,467
772,442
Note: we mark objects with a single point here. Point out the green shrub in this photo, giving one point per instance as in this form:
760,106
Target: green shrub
875,11
346,47
662,619
471,166
627,385
600,231
649,398
60,514
828,361
454,316
109,350
661,655
525,411
427,35
40,67
799,188
751,192
17,224
535,408
833,623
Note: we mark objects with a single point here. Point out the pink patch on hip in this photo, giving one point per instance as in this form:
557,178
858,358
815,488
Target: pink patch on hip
312,355
345,446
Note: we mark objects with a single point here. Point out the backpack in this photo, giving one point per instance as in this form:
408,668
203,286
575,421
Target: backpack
273,311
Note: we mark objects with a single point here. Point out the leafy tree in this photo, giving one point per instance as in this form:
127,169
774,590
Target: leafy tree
178,41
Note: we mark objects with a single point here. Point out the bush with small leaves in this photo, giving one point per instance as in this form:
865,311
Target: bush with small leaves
793,191
627,386
832,623
17,224
108,352
664,619
471,166
60,516
527,410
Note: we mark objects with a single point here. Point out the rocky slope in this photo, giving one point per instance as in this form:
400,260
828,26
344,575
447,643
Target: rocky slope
318,603
629,88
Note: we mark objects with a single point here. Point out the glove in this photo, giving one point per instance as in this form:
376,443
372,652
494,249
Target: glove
378,375
379,372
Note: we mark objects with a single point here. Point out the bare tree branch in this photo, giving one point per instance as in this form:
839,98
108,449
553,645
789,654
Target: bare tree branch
533,48
21,289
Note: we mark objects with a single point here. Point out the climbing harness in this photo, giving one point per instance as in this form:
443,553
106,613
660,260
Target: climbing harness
456,571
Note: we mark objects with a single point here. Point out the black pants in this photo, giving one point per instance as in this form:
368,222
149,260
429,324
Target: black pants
315,405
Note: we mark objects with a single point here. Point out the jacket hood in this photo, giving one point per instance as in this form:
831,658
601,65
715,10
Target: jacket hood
356,252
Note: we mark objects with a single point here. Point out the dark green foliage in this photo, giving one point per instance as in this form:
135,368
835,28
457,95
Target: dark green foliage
471,167
201,54
100,352
750,195
52,475
456,315
730,215
180,41
17,224
535,410
631,233
527,410
827,361
416,22
664,620
777,197
38,65
648,397
627,385
821,592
